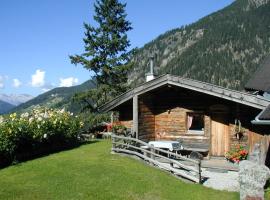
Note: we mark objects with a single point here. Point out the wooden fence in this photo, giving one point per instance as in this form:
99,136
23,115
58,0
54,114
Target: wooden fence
175,163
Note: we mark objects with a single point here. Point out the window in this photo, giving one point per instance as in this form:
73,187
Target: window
195,123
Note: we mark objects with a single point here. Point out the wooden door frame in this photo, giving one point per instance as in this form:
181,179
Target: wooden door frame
226,119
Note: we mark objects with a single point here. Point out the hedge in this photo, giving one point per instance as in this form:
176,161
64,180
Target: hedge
39,132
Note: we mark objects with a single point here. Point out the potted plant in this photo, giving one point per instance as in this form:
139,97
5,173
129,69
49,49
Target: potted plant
236,154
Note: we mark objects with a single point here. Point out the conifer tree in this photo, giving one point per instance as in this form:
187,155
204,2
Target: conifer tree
106,52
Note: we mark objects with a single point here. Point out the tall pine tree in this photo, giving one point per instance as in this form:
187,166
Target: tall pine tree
106,51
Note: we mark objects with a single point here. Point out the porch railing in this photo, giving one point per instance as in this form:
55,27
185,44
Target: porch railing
173,162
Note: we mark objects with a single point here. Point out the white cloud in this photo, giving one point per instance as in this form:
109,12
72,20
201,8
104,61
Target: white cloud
38,79
47,87
2,85
68,82
16,83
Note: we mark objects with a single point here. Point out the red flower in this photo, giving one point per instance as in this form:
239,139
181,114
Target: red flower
237,154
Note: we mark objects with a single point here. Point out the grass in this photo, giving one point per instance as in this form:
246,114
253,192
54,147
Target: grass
91,172
267,190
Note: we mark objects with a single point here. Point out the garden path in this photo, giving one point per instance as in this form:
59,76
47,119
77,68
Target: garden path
218,178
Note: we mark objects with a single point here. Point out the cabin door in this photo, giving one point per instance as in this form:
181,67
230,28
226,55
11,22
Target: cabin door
219,134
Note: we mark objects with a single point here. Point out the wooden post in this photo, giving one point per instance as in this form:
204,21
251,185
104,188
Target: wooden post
112,118
113,143
135,116
199,172
152,156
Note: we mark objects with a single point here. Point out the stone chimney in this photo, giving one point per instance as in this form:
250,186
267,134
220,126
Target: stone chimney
150,75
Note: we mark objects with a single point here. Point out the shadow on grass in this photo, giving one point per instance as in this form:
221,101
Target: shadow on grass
43,152
267,185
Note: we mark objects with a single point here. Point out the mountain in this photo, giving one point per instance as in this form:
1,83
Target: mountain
5,107
224,48
60,97
15,99
8,102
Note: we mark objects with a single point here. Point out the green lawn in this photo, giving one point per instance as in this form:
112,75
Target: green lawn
91,172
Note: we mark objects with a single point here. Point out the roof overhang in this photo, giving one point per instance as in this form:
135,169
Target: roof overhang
259,121
206,88
260,79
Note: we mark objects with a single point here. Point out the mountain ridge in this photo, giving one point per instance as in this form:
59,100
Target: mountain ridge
60,97
224,48
5,107
15,99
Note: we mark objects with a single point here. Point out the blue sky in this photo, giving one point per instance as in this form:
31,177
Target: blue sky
36,37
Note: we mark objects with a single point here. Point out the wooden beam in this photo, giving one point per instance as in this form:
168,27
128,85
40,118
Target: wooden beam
112,117
135,116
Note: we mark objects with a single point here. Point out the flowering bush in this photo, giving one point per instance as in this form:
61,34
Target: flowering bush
237,154
119,129
37,132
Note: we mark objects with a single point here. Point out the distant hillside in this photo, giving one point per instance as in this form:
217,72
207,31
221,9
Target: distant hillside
224,48
5,107
15,99
57,98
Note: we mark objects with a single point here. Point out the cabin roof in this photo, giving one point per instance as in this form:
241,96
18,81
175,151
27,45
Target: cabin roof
206,88
260,81
263,118
265,115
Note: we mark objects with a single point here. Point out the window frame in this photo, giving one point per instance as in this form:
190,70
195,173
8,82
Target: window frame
195,132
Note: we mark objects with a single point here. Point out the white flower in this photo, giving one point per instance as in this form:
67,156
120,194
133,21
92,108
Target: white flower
46,115
45,135
39,119
31,119
1,119
25,115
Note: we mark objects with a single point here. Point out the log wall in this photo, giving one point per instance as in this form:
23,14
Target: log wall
172,123
261,136
163,117
252,134
146,120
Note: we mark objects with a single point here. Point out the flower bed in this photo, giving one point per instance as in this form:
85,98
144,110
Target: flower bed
237,154
36,133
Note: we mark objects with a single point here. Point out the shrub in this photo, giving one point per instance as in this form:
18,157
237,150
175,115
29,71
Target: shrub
41,131
92,120
119,129
236,154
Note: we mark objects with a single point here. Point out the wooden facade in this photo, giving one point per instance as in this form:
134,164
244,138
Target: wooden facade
162,113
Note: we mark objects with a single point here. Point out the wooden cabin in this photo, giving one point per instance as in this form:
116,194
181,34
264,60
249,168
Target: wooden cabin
175,108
